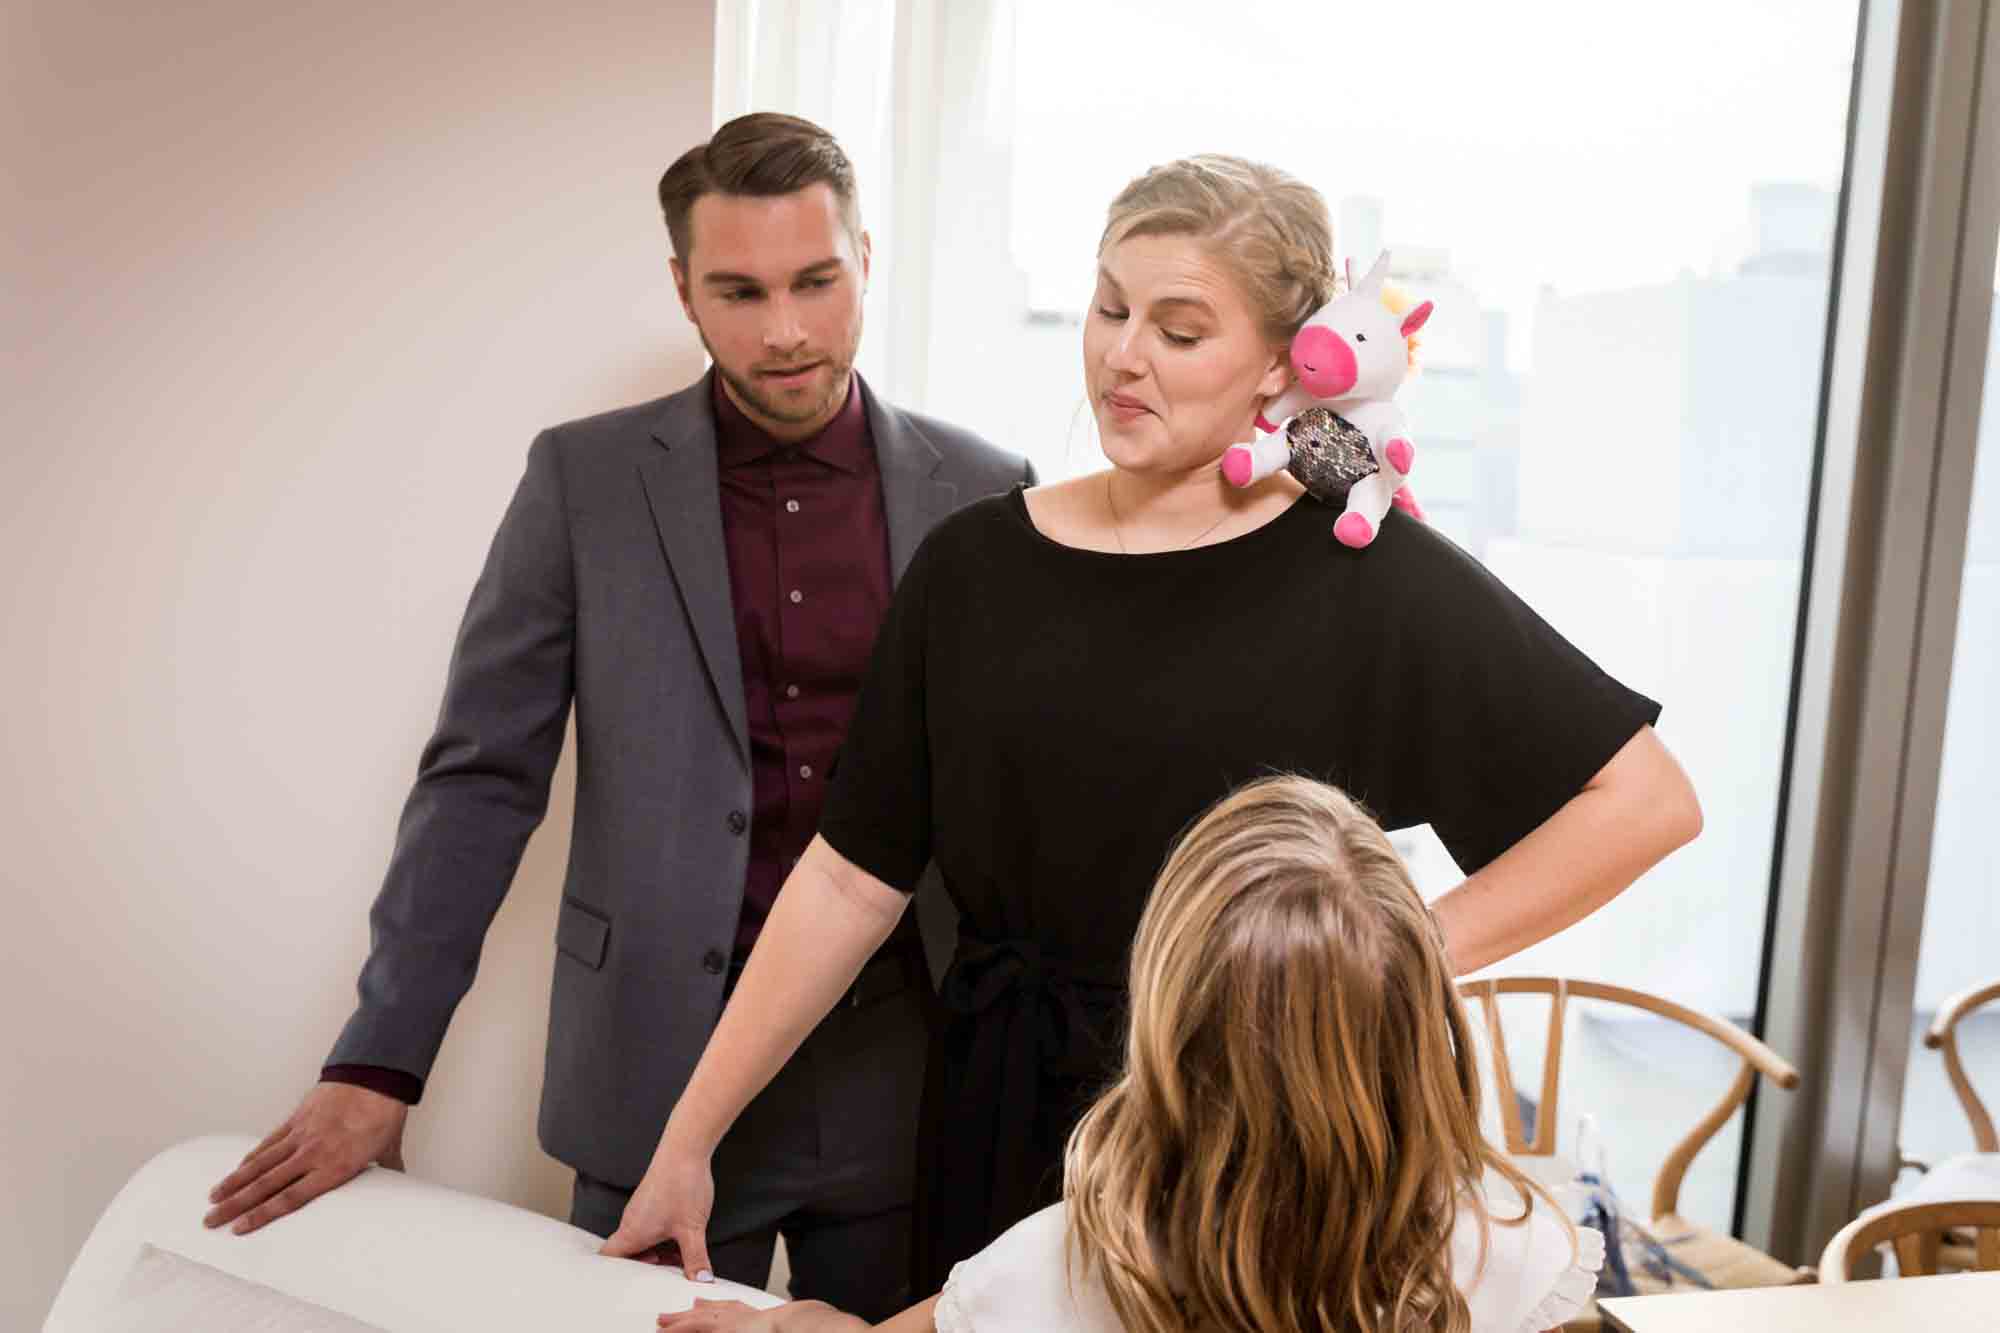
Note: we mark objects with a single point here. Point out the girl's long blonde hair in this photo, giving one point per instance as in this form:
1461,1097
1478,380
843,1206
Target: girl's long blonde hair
1297,1124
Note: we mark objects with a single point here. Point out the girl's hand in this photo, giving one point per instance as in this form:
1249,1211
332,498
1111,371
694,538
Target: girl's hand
736,1317
721,1317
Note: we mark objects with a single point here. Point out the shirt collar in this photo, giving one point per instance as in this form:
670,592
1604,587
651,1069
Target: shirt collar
842,444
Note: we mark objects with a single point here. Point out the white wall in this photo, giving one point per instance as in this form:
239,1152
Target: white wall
287,296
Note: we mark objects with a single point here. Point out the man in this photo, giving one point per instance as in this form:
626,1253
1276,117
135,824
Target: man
703,576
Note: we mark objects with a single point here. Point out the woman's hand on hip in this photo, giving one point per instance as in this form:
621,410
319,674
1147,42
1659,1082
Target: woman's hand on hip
672,1204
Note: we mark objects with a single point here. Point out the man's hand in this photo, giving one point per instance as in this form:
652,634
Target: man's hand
338,1130
671,1204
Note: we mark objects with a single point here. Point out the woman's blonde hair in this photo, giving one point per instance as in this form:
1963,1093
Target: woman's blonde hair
1296,1127
1269,229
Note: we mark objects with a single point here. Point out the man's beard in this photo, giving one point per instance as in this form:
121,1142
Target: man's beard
773,408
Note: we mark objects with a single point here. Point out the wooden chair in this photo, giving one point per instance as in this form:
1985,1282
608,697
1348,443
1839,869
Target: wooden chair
1942,1037
1958,1250
1917,1231
1721,1258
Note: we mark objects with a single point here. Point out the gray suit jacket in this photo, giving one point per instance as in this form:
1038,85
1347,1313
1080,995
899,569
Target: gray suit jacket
608,585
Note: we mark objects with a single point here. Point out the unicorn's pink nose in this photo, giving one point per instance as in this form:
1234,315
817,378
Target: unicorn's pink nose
1324,361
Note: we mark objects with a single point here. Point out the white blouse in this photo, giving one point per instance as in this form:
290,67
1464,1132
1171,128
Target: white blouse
1535,1276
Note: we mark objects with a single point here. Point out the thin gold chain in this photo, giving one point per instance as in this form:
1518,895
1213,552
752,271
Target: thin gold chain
1117,524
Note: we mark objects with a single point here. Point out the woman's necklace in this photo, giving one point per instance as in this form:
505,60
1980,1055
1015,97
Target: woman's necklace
1117,525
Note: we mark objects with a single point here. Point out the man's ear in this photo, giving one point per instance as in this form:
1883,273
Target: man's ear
867,253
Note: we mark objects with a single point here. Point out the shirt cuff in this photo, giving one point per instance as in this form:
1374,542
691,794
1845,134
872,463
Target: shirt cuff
403,1086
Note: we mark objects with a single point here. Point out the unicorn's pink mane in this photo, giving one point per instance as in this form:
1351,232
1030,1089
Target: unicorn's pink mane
1399,303
1394,299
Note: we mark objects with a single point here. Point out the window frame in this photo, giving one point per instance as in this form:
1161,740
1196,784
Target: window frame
1885,553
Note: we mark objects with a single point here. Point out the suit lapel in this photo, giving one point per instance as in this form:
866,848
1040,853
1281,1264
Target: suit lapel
685,495
913,500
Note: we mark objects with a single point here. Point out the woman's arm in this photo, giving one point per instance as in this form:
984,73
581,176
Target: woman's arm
829,918
1638,808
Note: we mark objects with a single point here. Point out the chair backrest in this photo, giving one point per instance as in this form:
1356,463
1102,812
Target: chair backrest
1943,1037
1917,1231
1756,1058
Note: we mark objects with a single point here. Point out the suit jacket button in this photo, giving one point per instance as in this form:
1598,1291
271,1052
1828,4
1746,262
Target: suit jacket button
712,961
737,822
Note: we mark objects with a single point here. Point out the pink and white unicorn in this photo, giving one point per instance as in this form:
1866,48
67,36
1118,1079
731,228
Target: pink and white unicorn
1351,357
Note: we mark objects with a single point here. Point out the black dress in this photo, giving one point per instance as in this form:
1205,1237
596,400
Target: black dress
1043,721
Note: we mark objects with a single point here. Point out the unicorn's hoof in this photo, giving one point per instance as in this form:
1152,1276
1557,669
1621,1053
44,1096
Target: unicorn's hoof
1400,453
1238,465
1353,530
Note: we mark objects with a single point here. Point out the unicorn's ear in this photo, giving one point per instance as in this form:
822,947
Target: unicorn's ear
1372,284
1350,273
1417,318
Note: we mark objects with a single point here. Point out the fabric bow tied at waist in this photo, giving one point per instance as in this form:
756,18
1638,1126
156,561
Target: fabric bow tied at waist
1043,1036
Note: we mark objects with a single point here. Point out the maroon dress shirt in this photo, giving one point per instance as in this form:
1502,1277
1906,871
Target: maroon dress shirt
809,580
808,548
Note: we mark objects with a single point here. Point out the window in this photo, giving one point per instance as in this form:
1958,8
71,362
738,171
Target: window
1625,216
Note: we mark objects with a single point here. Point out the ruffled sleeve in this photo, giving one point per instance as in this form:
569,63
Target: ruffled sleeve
954,1310
1535,1274
1574,1286
1020,1284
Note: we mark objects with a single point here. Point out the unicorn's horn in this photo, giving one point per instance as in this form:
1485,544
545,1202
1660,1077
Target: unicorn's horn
1372,284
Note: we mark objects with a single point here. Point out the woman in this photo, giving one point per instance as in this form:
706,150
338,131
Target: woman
1294,1141
1069,675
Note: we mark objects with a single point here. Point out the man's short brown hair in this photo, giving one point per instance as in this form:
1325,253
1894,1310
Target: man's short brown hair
762,155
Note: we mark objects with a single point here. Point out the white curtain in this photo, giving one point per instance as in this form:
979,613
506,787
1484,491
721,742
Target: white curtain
921,95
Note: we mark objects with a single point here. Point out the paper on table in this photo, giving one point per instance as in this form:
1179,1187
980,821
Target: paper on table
164,1290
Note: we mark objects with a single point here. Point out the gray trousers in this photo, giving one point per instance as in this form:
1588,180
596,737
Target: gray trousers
825,1156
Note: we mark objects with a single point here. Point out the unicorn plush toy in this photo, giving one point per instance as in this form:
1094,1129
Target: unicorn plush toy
1350,358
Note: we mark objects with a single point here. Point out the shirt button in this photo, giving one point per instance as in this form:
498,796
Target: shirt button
712,961
805,770
791,691
797,597
737,823
791,506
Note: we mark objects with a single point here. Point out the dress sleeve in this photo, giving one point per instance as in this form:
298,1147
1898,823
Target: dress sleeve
1498,719
1535,1274
878,807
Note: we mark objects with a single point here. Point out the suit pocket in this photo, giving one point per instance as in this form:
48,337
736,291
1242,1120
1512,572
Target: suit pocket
582,933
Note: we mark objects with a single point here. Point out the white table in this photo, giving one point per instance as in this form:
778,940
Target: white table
1953,1301
386,1250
